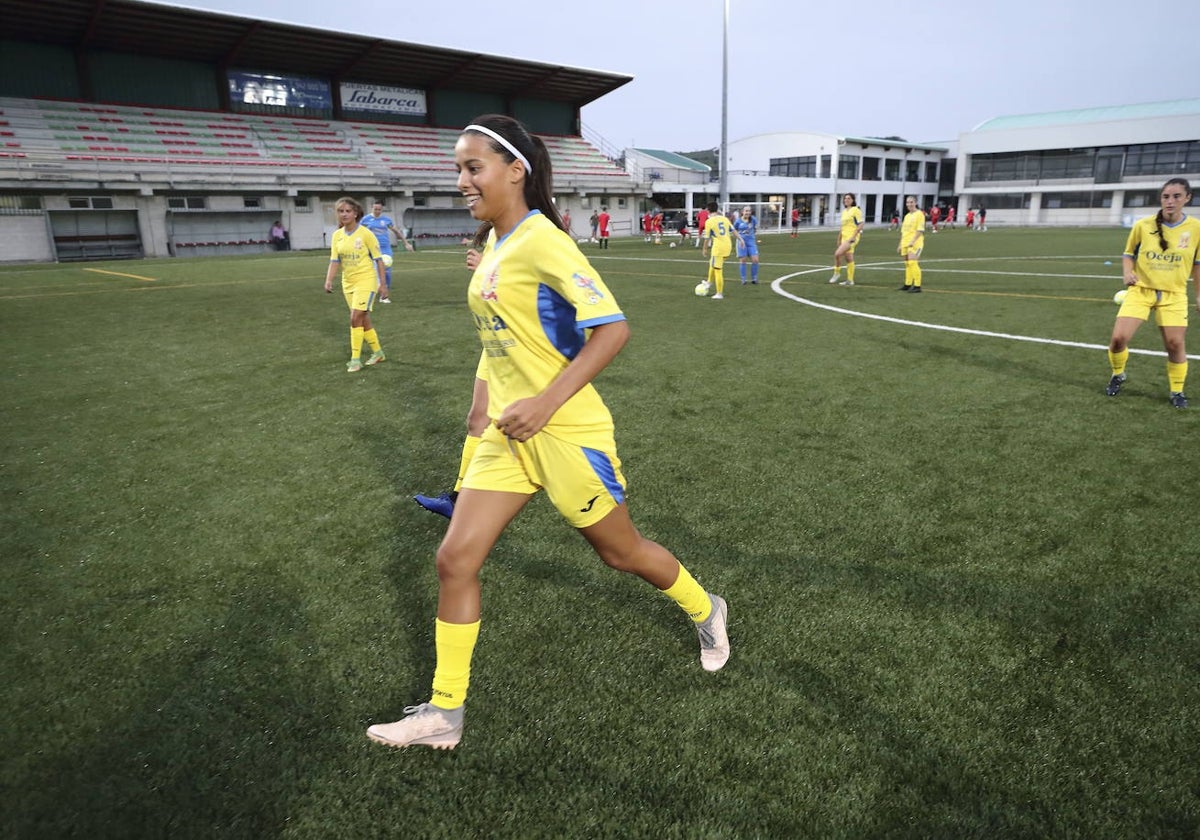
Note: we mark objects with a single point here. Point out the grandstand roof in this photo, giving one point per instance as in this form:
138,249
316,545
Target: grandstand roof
1111,113
131,26
677,160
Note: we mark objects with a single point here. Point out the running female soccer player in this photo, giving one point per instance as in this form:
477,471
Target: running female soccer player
548,326
912,240
356,250
848,236
1161,253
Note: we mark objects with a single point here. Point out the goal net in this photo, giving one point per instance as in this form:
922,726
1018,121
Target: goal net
772,215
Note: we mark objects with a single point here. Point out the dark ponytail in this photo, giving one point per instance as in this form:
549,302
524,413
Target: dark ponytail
539,184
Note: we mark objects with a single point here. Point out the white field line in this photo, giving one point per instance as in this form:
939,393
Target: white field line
777,287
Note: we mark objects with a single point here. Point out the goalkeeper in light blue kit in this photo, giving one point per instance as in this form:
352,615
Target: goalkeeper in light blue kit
382,226
746,228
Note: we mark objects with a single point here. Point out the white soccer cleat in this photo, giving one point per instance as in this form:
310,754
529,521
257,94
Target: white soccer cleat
424,725
714,636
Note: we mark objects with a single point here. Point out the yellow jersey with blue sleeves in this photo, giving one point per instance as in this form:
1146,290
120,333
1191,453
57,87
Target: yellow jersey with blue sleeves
357,252
851,219
533,297
718,231
1169,270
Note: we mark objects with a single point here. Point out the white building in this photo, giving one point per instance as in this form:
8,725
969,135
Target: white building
1093,166
812,171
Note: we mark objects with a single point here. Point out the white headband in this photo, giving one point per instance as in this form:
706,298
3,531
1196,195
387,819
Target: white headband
485,130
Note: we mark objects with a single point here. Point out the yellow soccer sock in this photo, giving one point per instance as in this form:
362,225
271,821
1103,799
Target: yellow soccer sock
719,279
916,273
690,596
907,273
837,271
454,644
468,451
1177,375
850,272
1119,360
372,339
356,341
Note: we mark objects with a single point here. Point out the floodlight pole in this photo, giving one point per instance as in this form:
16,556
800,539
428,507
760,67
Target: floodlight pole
724,198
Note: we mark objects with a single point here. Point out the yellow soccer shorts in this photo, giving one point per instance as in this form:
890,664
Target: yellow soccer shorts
847,243
913,252
1170,308
583,483
717,259
361,297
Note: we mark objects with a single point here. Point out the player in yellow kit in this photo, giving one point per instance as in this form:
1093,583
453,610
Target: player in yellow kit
851,232
1162,252
548,325
717,238
355,250
912,240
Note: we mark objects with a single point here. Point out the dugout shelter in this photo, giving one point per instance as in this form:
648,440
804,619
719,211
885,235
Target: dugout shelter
131,128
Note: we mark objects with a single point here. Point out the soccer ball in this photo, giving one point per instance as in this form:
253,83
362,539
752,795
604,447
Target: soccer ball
1119,297
387,260
672,244
701,290
581,240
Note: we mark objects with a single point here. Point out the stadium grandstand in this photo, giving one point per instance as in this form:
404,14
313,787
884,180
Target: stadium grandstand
132,129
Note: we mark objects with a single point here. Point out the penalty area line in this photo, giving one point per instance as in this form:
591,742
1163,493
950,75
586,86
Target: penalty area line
777,287
122,274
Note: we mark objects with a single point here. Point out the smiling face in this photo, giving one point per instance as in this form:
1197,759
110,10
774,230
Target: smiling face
910,204
492,186
847,200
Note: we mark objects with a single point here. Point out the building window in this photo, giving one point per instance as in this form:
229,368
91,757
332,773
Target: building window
870,169
1004,201
912,170
1163,158
1076,200
891,170
20,205
794,167
187,202
826,164
89,202
848,166
931,172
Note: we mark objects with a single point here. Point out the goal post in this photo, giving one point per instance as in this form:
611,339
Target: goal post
772,215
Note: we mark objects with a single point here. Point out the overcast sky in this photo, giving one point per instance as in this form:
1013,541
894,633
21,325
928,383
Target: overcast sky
924,71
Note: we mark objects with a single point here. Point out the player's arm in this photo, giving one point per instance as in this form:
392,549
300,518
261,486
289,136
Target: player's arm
400,235
330,274
1129,257
1196,281
524,418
